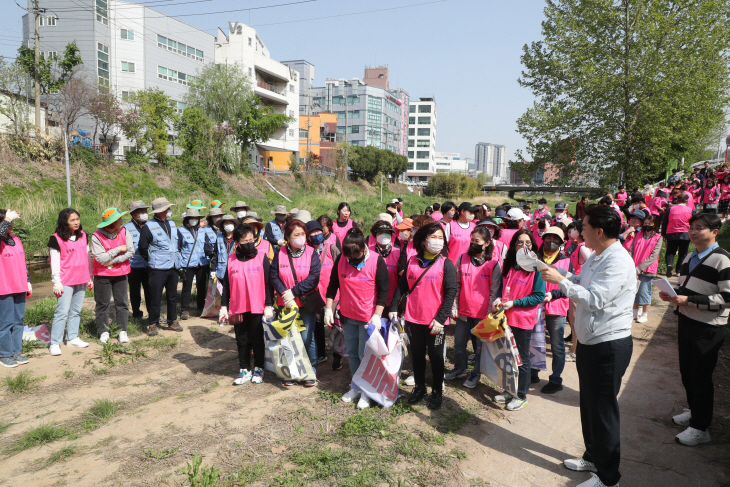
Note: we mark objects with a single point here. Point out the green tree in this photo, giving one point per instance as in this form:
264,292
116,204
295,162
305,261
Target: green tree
453,185
367,162
195,133
146,121
623,86
13,106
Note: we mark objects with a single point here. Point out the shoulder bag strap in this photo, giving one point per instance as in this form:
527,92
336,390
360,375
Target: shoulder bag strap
428,267
195,242
293,272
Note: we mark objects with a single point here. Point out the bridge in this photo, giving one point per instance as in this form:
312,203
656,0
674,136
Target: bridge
511,189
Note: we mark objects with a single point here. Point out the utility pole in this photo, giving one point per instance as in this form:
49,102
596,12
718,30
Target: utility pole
344,164
37,15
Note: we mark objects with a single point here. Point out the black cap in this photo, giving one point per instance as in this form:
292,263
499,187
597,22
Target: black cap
468,207
384,228
560,206
313,225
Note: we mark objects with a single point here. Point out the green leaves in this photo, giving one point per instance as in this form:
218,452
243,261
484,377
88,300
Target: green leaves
366,162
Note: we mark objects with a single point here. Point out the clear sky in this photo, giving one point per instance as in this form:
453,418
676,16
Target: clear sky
465,53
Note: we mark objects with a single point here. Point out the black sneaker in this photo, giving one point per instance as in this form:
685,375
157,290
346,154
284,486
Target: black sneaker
551,388
534,379
336,363
669,272
419,392
322,359
434,401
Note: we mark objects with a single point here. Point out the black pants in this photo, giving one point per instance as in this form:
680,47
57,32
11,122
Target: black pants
710,209
320,338
522,340
104,289
138,277
699,344
201,274
672,247
600,369
162,279
250,336
421,342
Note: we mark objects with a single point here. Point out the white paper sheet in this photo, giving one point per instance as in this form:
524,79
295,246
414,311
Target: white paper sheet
665,286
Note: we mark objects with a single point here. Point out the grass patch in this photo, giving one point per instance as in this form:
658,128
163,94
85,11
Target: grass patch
22,383
159,343
324,463
60,456
99,413
454,420
40,435
333,397
4,426
68,374
28,346
41,312
249,473
365,423
159,455
202,476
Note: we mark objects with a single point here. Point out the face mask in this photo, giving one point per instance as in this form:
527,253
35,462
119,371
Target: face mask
228,228
383,239
540,207
240,214
541,225
648,228
281,218
193,222
636,207
143,217
434,246
317,239
552,246
469,216
573,233
405,236
298,243
451,214
169,214
356,263
559,215
475,248
246,249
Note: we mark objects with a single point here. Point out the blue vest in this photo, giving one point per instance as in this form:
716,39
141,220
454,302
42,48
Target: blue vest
163,249
137,262
220,270
198,252
277,231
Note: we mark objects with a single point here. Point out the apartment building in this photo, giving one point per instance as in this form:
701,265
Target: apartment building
491,159
450,162
421,140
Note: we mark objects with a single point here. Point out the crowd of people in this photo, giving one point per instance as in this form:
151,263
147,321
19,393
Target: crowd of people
451,265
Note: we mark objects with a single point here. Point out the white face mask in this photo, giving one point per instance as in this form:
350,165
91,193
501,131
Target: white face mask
169,214
540,207
193,222
573,233
434,246
637,206
469,216
559,215
451,214
298,243
240,214
144,217
228,228
383,239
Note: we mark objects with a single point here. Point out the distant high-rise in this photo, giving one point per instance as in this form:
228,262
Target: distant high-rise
491,159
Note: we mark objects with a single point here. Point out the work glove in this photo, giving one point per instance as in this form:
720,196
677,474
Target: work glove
213,277
223,314
269,314
30,291
91,285
393,316
508,305
548,297
436,327
281,242
495,304
329,317
12,215
288,298
455,311
375,320
58,289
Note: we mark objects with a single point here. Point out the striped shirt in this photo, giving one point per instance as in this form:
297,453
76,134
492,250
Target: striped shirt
707,288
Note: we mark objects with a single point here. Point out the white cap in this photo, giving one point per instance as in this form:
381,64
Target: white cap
516,214
394,200
303,215
385,217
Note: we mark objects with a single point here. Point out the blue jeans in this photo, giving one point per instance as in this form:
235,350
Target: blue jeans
356,335
522,340
556,328
12,311
462,335
68,308
643,295
310,344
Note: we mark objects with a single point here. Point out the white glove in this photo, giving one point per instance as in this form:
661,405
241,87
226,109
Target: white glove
548,297
455,311
375,320
223,313
436,327
281,242
393,316
30,290
58,289
12,215
91,285
213,277
269,313
329,317
508,305
288,298
496,303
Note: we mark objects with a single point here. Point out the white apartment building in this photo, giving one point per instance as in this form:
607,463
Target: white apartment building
421,140
451,162
491,159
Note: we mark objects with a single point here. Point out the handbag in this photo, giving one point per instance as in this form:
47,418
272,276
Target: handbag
402,302
311,302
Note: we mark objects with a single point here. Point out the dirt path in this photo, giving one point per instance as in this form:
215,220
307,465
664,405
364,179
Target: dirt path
179,401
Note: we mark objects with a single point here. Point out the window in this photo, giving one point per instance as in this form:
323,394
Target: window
340,130
128,34
375,104
295,76
102,63
410,166
291,132
410,143
391,106
291,113
127,67
412,109
47,21
410,154
422,166
302,133
178,48
411,120
101,12
353,99
422,154
174,76
338,100
125,95
424,108
424,143
424,132
354,114
354,129
424,120
250,73
291,88
411,131
181,107
52,54
249,41
374,118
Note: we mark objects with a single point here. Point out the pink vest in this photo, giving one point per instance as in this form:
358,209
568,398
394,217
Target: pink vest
657,205
643,248
621,198
499,251
519,283
120,269
506,236
262,247
13,274
725,190
437,215
74,260
391,262
247,284
678,220
575,259
538,238
537,215
326,273
691,200
628,240
476,283
557,307
410,252
302,265
712,195
371,242
341,232
357,288
424,303
459,240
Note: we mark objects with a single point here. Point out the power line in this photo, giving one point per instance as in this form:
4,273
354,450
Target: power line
84,8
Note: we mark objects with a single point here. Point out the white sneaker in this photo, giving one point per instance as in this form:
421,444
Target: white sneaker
693,437
503,398
364,402
243,377
682,419
54,349
410,381
351,395
78,342
579,465
123,338
104,338
516,404
594,481
258,375
643,318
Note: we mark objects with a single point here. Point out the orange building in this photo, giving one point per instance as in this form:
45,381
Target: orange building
317,135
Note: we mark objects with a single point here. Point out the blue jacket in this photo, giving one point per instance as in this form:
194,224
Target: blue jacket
137,261
194,246
162,252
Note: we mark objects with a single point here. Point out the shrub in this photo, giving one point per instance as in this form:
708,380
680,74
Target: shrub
85,155
136,158
201,176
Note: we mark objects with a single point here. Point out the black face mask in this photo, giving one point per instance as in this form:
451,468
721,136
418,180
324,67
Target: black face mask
648,228
552,246
356,262
244,250
475,248
541,225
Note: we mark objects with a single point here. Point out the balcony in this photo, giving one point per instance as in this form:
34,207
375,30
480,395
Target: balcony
270,94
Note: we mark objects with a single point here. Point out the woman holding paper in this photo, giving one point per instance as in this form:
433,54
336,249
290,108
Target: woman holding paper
645,252
522,293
